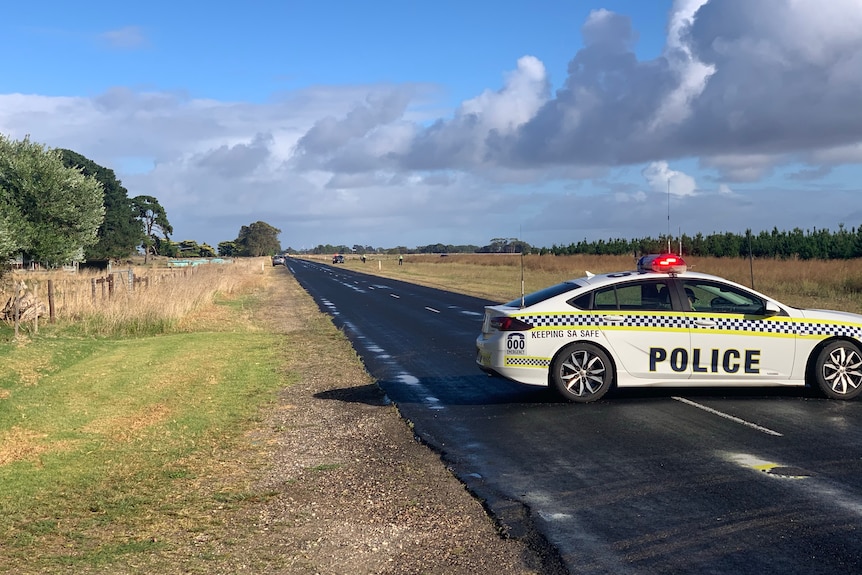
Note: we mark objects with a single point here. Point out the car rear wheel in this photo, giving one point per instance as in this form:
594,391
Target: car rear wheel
582,372
838,370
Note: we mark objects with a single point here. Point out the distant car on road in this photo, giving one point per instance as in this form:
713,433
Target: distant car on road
278,260
663,326
338,259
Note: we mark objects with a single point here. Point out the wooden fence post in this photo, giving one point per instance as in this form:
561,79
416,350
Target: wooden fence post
51,315
36,305
17,307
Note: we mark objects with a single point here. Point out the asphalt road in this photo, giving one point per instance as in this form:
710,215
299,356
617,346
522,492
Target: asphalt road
651,481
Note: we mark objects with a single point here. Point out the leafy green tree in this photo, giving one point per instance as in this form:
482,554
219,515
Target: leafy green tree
258,239
166,248
152,215
48,211
227,249
12,227
121,232
189,248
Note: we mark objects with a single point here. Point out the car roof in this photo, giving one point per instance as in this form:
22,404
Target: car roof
614,277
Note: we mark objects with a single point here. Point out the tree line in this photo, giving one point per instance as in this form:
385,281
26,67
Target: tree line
796,243
59,207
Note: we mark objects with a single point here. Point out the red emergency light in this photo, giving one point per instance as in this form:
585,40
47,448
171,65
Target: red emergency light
662,263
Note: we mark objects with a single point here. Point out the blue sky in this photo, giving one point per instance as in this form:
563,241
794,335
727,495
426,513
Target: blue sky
390,123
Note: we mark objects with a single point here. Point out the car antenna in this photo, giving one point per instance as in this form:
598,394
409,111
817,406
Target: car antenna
521,249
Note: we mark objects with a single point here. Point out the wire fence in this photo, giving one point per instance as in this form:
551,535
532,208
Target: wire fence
34,296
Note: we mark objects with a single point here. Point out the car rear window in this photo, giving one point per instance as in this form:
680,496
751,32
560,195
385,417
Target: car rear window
547,293
649,295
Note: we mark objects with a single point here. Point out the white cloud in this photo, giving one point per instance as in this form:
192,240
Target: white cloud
525,90
662,179
692,74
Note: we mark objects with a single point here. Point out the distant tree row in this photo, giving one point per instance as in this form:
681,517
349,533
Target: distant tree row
497,245
797,243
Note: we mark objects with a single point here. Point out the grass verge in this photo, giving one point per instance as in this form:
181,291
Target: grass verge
115,451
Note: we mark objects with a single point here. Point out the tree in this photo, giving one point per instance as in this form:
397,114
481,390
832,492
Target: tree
121,232
48,211
227,249
152,215
258,239
207,251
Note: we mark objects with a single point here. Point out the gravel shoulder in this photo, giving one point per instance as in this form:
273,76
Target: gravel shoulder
348,488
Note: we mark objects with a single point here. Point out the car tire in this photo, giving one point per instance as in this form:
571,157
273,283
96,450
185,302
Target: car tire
838,370
582,372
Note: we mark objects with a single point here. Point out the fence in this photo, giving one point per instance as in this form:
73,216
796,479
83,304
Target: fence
78,294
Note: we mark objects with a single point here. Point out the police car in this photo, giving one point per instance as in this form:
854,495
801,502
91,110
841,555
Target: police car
663,326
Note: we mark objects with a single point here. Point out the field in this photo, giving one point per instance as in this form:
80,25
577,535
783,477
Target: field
811,283
131,430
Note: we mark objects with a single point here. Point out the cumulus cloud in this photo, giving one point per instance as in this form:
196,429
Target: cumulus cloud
661,178
239,160
736,80
462,142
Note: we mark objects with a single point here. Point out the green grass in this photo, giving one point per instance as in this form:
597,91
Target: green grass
105,444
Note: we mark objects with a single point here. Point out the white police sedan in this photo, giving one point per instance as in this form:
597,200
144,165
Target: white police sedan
663,326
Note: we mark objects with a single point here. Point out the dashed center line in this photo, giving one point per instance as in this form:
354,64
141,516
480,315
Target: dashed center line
728,416
432,309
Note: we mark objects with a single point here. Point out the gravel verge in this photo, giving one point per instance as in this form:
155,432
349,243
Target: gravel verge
349,489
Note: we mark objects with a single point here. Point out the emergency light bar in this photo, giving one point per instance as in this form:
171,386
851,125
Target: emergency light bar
662,263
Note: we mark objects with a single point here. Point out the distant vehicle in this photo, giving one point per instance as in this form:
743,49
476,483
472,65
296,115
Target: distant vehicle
278,260
663,326
338,259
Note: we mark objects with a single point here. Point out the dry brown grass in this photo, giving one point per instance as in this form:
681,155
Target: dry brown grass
833,284
157,299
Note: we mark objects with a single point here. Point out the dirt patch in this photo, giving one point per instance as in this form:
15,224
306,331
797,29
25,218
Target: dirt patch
123,429
350,489
20,444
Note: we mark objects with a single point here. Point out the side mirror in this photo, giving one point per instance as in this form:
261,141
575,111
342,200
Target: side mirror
771,309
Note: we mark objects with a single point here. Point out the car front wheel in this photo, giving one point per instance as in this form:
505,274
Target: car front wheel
582,372
838,370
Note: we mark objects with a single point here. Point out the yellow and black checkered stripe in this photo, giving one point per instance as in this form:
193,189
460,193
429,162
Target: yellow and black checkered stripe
777,326
526,361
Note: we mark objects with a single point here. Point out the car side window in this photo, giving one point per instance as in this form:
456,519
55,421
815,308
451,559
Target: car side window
648,295
713,297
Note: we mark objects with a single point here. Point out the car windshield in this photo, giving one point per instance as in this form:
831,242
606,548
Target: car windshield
547,293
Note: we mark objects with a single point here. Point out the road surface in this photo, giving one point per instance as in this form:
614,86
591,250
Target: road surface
648,481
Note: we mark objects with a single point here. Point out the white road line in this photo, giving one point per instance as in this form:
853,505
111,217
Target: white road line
727,416
395,296
432,309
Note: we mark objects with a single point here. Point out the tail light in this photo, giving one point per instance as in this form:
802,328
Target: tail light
505,323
